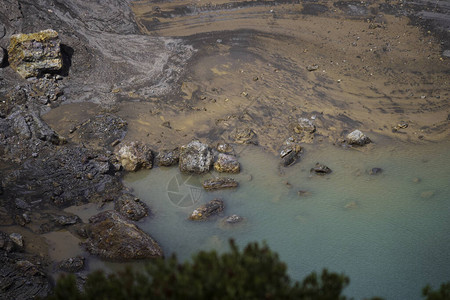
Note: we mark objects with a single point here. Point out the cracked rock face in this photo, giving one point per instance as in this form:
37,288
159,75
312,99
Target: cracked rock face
33,54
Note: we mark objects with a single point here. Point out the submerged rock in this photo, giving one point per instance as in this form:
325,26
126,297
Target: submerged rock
203,212
219,183
233,219
195,157
72,265
32,54
227,163
135,156
375,171
320,169
111,236
131,207
358,138
168,158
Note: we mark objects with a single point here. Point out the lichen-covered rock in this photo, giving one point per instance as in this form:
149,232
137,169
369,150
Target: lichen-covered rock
195,157
131,207
112,237
134,156
167,158
358,138
203,212
320,169
219,183
35,53
227,163
72,265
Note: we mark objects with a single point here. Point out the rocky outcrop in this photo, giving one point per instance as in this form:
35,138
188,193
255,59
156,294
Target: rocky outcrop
167,158
207,210
220,183
131,207
72,265
33,54
21,275
195,157
135,156
112,237
357,138
227,163
320,169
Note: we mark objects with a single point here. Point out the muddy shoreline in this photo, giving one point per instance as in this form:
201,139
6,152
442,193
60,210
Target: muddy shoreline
165,74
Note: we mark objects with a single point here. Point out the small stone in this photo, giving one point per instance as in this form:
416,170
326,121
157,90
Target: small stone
17,239
446,53
320,169
416,180
375,171
305,125
166,124
303,193
233,219
427,194
225,148
131,207
356,137
168,158
66,220
311,68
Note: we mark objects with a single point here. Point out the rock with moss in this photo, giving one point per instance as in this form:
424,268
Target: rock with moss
112,237
227,163
207,210
33,54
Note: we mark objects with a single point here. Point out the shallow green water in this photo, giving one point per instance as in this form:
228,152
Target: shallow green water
390,232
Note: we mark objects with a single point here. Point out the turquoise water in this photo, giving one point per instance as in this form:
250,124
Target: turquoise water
390,233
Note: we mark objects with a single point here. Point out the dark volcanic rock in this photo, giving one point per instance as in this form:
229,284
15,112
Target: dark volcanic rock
203,212
168,158
219,183
195,157
32,54
72,265
112,237
100,131
320,169
227,163
131,207
135,156
21,276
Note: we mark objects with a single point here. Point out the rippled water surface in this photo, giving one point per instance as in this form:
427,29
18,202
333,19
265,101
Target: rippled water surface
389,232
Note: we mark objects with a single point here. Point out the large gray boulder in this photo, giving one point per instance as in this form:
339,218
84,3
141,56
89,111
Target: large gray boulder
134,156
112,237
195,157
33,54
358,138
